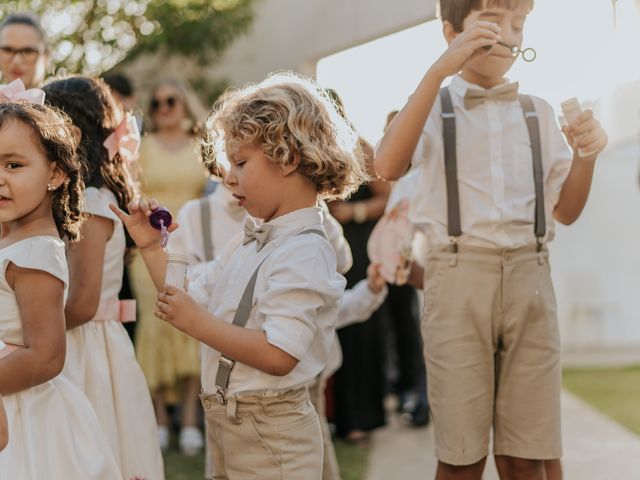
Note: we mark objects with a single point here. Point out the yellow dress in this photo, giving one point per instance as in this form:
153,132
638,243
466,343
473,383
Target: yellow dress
165,354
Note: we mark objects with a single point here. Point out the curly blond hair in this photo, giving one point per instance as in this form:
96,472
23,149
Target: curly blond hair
292,120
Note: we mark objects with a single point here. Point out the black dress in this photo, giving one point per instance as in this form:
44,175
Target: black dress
359,385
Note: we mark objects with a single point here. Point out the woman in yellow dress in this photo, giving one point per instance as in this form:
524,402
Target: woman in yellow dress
172,174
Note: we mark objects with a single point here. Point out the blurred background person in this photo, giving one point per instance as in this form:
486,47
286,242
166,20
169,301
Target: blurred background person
24,52
359,385
173,174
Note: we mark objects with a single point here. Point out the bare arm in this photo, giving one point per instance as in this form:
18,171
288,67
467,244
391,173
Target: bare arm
4,430
86,262
587,135
393,157
247,346
43,329
374,207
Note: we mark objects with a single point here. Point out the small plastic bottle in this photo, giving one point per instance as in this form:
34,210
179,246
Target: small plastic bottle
570,110
177,265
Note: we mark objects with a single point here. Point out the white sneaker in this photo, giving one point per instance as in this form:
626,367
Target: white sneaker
163,436
191,441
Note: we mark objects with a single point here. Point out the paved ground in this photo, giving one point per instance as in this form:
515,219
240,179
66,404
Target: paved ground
595,448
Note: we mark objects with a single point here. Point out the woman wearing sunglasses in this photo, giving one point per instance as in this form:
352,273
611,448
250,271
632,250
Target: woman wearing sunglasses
23,49
173,174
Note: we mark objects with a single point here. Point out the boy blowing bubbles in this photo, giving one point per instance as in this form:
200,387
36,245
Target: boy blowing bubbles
492,345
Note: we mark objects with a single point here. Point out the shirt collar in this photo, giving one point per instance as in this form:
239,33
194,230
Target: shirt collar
296,221
460,86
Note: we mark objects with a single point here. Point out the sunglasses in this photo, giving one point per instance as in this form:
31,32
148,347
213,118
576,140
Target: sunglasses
28,54
170,102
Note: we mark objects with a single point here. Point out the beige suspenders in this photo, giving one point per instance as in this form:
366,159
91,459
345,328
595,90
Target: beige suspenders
226,364
451,169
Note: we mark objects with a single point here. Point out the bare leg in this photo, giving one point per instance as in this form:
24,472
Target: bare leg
512,468
553,468
191,402
464,472
160,405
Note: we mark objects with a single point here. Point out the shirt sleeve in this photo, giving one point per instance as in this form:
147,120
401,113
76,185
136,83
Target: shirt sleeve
96,202
559,155
335,235
301,280
431,129
203,276
183,240
359,303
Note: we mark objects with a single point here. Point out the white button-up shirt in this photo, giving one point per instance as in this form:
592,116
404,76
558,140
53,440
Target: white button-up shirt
295,299
495,172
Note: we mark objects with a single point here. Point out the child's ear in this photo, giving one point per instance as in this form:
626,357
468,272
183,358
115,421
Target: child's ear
58,177
289,168
449,32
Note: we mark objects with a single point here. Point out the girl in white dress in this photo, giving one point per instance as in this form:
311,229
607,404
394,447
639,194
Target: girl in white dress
100,356
54,433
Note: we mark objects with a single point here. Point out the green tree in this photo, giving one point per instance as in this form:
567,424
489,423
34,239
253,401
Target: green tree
93,36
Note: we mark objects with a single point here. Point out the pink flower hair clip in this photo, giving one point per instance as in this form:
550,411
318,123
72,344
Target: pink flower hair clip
16,92
125,139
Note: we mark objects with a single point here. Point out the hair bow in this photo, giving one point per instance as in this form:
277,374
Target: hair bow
15,92
125,139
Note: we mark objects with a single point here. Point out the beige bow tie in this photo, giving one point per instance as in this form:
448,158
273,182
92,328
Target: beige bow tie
505,93
259,233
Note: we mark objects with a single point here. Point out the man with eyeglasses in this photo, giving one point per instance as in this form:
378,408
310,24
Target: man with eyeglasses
23,49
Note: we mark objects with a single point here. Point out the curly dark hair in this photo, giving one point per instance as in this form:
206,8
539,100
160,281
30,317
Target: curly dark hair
92,108
53,129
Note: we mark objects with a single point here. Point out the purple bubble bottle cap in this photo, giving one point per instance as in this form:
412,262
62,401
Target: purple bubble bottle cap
161,219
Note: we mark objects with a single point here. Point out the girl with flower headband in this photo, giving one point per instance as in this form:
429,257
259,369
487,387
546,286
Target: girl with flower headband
54,432
100,357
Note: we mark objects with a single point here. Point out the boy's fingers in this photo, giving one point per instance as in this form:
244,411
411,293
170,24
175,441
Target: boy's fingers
494,27
173,226
585,126
143,204
153,204
133,206
123,216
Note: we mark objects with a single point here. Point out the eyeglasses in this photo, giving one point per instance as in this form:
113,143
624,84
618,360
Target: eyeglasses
28,54
170,102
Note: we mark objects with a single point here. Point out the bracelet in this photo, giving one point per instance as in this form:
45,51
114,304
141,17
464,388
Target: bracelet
359,212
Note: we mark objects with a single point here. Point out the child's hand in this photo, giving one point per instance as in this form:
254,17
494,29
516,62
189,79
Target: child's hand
178,308
587,135
467,45
374,279
137,222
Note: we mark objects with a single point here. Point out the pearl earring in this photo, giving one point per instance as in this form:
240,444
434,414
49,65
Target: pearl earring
51,187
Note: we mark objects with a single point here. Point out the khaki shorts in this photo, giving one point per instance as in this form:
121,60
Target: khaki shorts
492,351
272,437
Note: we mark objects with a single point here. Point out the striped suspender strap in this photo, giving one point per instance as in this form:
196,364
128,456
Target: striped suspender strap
241,317
533,126
205,223
451,169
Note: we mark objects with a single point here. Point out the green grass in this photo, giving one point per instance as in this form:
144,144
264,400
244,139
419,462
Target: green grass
613,391
352,460
180,467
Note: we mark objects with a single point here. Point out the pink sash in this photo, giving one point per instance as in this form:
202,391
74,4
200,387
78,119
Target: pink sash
114,309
